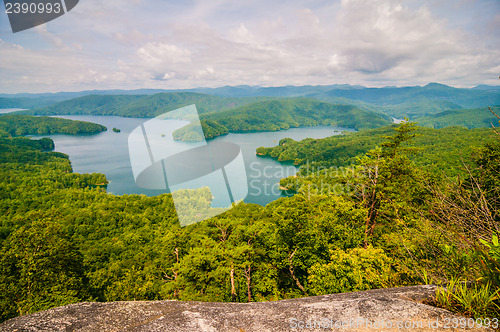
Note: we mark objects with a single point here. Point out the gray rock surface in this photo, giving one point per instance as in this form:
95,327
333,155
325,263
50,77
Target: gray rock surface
392,309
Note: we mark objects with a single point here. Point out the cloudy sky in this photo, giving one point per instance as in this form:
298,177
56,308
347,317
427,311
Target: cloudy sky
171,44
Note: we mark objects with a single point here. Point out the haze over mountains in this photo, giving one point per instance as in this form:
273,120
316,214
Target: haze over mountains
241,108
433,93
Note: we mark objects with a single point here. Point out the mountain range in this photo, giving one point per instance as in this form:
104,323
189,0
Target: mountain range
252,108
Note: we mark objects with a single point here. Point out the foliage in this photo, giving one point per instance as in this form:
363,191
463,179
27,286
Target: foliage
40,268
487,172
355,270
19,125
211,129
477,301
132,246
455,146
283,114
392,217
490,262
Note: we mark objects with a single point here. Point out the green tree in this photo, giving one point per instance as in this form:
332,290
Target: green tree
39,269
386,180
355,270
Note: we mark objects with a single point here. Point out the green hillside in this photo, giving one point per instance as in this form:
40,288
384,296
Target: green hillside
412,108
444,148
18,125
20,102
413,102
433,91
416,101
283,114
138,106
468,118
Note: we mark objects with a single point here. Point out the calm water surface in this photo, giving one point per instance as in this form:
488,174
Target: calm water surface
107,153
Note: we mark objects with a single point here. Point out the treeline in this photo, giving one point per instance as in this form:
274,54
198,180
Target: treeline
18,125
284,114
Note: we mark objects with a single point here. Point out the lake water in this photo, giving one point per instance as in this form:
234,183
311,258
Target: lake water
108,153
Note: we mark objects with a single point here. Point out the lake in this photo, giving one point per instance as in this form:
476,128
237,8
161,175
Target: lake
108,153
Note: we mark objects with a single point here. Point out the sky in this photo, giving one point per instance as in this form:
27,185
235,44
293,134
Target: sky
178,44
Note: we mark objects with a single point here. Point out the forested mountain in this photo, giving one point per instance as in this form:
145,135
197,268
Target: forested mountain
284,114
38,100
396,95
141,105
413,102
279,91
442,150
18,125
386,222
24,102
468,118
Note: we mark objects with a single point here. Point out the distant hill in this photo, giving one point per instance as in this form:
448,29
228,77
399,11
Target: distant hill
417,101
283,114
468,118
141,105
411,108
279,91
24,102
413,102
38,100
488,87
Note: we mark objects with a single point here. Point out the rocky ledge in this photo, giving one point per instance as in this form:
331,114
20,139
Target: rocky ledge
389,309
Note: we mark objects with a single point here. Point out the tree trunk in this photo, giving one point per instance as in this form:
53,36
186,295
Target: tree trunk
249,280
297,281
233,289
372,203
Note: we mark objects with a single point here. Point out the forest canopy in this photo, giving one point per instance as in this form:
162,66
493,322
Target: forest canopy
20,125
395,220
284,114
441,149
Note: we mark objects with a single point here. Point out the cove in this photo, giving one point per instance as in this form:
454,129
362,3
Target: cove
108,153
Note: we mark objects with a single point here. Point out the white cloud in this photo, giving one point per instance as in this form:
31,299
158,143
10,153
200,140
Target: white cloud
174,45
159,53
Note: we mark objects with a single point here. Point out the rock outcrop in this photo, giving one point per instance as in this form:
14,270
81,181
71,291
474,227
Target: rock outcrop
375,310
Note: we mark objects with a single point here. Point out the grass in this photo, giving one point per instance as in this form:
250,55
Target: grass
476,300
